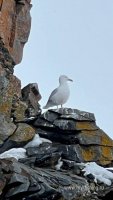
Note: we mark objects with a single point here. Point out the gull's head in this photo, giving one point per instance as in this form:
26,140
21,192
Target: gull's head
64,78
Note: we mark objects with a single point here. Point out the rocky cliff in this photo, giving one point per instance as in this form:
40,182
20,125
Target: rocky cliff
54,146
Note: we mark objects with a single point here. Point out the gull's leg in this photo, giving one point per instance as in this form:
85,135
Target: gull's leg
57,107
61,105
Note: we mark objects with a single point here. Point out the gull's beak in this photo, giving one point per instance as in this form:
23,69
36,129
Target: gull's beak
70,80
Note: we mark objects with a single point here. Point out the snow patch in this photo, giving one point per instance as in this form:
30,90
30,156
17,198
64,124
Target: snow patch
110,168
100,173
36,141
59,165
14,153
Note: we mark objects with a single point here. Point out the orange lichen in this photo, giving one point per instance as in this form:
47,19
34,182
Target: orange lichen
85,125
104,162
106,140
107,153
23,133
88,153
5,108
102,137
89,133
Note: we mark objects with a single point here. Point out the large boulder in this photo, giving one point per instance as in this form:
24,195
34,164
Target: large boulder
23,133
17,137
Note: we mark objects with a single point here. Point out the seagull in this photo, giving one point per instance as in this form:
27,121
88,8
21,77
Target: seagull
60,95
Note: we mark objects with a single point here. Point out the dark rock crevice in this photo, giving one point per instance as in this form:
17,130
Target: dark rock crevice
6,60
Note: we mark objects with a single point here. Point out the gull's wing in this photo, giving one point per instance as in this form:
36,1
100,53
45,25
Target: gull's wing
52,94
50,101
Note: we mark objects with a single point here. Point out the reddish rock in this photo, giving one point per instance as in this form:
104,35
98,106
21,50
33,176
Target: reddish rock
15,24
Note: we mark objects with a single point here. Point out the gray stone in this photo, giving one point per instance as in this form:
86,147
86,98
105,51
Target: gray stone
23,134
31,95
44,182
50,115
43,149
2,183
20,184
5,58
40,183
44,155
18,111
65,124
75,114
53,151
85,140
59,136
7,128
42,123
17,178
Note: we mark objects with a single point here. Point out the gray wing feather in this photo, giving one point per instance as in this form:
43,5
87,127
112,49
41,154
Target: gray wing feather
51,95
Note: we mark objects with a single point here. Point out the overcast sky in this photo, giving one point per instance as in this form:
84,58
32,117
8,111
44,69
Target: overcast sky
75,38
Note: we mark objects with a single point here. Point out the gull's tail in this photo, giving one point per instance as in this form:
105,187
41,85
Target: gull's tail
46,106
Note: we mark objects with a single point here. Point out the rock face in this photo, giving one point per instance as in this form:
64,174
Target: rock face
49,170
15,23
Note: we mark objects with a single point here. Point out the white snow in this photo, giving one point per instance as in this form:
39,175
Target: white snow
15,153
36,141
100,173
46,140
21,152
30,118
110,168
59,165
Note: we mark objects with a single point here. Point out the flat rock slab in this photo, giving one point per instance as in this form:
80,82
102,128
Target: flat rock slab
70,114
66,119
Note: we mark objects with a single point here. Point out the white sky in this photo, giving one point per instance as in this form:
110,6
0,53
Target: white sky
75,38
